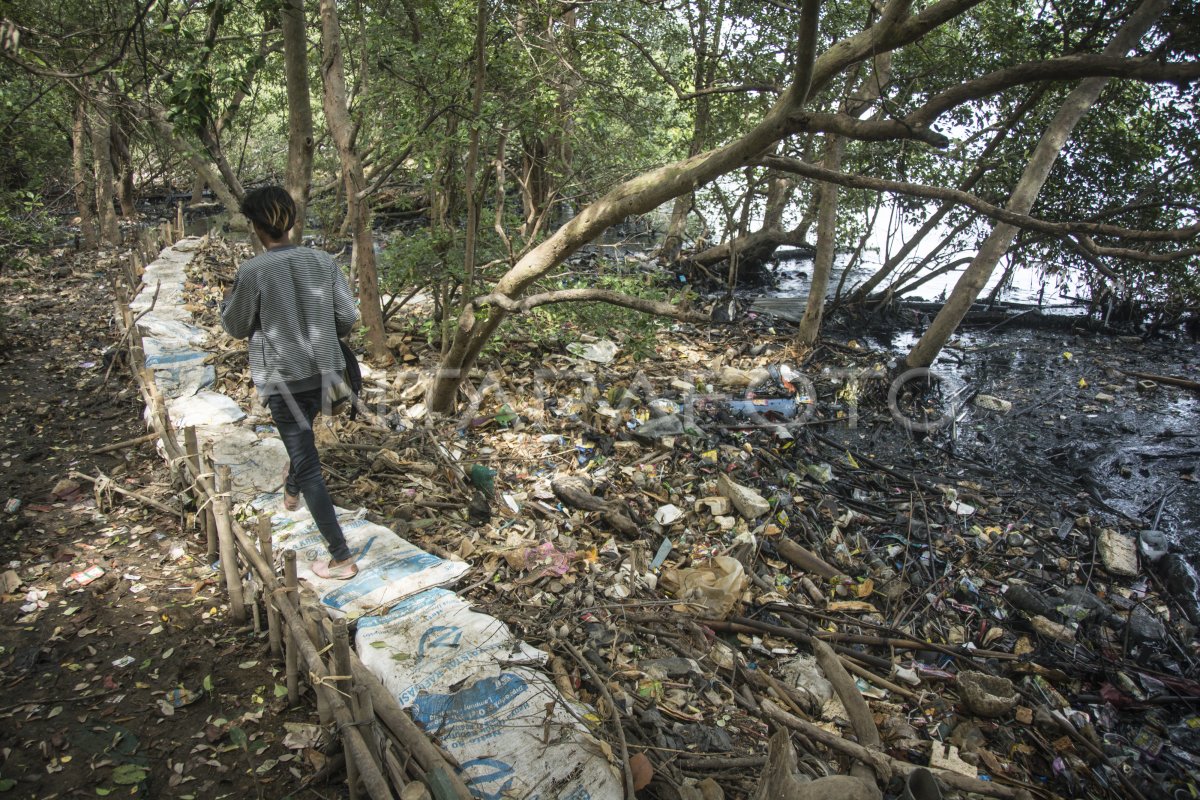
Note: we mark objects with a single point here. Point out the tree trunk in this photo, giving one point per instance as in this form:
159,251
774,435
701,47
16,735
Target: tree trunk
472,169
654,187
337,115
123,165
810,324
106,212
861,292
1081,98
84,198
196,159
300,124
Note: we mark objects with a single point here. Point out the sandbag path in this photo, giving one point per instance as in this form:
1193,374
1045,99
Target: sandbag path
467,679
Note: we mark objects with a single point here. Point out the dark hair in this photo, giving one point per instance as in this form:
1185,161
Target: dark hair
271,208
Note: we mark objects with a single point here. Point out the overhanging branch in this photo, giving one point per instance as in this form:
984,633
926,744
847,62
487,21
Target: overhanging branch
814,172
1055,69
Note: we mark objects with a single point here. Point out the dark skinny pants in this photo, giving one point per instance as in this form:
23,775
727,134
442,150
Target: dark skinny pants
294,413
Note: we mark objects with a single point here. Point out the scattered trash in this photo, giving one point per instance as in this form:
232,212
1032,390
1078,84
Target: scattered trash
990,403
987,695
749,503
602,351
1118,553
716,586
85,576
12,505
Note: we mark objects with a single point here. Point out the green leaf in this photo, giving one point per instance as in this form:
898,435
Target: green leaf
102,792
208,683
280,690
128,774
379,645
7,783
238,737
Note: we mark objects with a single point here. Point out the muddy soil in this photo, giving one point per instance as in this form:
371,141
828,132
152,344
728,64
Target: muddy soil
1079,421
132,685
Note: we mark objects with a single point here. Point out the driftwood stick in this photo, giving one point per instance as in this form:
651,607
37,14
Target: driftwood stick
885,764
856,706
805,559
104,482
1169,380
108,448
292,658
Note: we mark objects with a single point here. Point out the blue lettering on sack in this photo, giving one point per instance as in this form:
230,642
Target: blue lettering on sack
422,602
490,771
439,636
379,574
479,654
479,701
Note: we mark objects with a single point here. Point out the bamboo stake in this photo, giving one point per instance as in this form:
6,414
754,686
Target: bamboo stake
341,666
312,627
292,659
443,781
233,581
365,714
179,220
264,547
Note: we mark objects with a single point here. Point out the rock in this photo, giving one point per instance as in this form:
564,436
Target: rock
1145,627
669,667
749,503
64,488
732,376
1090,606
1104,397
1052,629
1118,553
986,695
1153,546
1032,602
717,506
1183,585
946,757
660,427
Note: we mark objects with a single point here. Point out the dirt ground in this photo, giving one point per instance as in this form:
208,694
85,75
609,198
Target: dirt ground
132,685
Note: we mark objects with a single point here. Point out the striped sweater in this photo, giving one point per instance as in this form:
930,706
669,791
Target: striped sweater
292,303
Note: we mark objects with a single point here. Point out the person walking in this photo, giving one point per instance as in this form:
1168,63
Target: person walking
293,304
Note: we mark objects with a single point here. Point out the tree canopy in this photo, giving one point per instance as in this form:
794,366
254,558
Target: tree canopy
508,135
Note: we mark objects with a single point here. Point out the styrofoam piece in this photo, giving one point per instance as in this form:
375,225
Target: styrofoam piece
204,408
432,641
389,568
514,735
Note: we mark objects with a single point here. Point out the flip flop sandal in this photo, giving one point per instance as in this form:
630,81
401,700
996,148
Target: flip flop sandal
342,572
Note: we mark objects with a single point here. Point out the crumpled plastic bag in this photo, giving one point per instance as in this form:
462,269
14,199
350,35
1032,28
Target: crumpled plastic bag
716,586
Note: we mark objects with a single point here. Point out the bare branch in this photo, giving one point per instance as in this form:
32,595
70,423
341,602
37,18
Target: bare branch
1056,69
971,201
655,307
